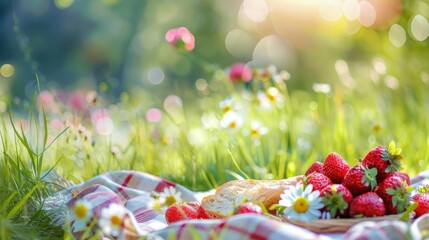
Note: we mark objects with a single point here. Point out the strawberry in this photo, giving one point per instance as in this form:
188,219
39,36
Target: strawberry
403,176
395,194
178,212
385,159
315,167
368,204
318,180
336,199
335,167
194,204
360,180
423,203
201,213
248,207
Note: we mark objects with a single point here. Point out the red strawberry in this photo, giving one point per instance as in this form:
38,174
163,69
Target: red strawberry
384,159
360,180
248,207
367,205
335,167
336,199
423,203
318,180
315,167
194,204
201,213
178,212
403,176
395,194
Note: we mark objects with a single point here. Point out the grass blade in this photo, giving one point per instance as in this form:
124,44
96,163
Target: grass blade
21,203
8,200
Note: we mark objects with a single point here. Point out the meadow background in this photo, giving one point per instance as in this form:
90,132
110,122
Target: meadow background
92,86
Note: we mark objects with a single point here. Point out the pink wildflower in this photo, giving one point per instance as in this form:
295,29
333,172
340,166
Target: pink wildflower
77,101
240,71
180,38
46,100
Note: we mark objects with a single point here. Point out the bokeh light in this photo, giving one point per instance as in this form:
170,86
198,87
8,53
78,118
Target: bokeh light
397,35
7,70
379,66
351,9
156,75
331,10
154,115
239,43
201,84
419,28
273,49
63,4
104,126
256,10
368,15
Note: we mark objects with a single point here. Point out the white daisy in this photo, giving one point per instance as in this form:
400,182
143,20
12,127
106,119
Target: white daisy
171,196
301,204
81,214
322,88
232,120
274,95
157,204
229,104
257,130
263,101
111,219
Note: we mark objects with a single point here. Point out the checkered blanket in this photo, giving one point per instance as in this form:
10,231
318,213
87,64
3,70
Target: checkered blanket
134,190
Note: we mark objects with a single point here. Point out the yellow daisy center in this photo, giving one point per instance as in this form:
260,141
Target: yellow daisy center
255,132
271,97
116,220
80,211
157,205
170,200
301,205
232,125
227,109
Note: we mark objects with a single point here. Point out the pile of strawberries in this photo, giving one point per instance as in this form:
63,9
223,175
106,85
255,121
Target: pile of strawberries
374,187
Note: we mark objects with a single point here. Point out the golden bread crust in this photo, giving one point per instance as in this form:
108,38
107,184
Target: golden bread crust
232,193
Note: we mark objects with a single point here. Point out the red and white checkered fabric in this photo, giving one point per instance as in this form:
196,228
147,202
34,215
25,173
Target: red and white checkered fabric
132,189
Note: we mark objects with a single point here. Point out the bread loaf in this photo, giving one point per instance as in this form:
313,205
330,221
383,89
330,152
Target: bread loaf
233,193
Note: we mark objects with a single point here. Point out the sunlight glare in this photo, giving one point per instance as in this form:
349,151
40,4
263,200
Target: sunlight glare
330,10
351,9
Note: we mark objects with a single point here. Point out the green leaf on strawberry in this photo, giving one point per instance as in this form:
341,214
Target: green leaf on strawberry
424,189
400,196
406,216
393,156
336,199
369,178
